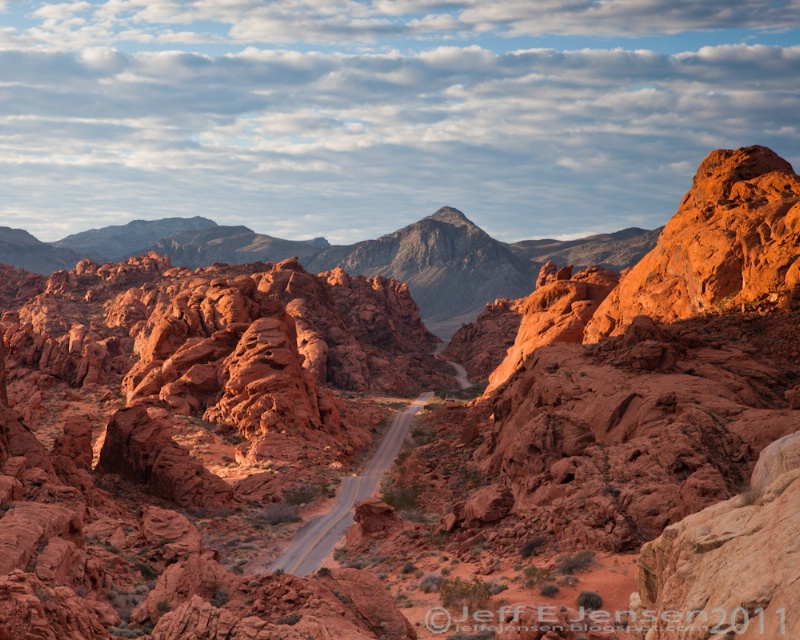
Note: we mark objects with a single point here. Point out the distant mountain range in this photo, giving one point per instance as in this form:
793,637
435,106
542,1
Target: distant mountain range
118,242
452,267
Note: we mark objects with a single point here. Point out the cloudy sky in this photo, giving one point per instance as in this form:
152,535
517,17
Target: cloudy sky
351,118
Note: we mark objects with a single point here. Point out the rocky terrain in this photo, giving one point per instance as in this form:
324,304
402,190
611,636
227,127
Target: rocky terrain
166,428
480,346
628,414
427,255
121,384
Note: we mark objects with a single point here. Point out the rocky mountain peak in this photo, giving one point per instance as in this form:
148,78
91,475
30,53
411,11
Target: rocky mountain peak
453,216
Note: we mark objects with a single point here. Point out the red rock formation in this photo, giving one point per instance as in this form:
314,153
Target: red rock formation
140,449
557,311
358,333
373,519
289,607
31,609
482,345
732,243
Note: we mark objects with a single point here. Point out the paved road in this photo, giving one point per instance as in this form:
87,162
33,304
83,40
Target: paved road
316,539
461,374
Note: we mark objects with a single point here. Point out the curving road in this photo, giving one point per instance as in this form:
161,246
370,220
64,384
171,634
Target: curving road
461,374
316,539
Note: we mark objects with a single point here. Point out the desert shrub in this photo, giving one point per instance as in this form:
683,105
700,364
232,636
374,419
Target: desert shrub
578,562
474,594
402,498
549,590
148,573
124,632
496,587
300,494
323,572
430,583
163,607
590,600
408,567
290,619
219,598
532,546
278,513
534,576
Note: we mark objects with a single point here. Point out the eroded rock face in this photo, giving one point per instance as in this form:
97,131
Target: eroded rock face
602,451
30,608
737,556
207,601
732,242
358,333
140,449
482,345
557,311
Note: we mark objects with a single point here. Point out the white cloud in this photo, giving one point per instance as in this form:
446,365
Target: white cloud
349,21
532,140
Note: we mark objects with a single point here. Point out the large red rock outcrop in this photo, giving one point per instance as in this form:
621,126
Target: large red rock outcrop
605,448
358,333
140,449
557,311
31,609
731,244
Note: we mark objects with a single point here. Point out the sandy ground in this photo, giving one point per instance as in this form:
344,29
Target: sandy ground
612,576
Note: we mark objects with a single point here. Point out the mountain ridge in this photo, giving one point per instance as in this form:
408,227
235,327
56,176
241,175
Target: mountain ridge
451,265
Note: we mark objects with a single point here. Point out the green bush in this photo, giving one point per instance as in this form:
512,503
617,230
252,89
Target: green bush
300,494
431,583
408,567
219,598
534,576
290,619
278,513
163,607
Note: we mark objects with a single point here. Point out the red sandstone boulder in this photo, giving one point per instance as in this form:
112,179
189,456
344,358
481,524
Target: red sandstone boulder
487,504
373,518
140,449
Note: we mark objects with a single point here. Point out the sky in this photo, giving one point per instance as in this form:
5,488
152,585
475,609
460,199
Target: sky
352,118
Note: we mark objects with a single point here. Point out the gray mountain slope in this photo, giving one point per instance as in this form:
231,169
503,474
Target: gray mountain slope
452,267
21,249
617,250
233,245
118,242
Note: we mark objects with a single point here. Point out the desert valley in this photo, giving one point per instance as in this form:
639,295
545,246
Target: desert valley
622,462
